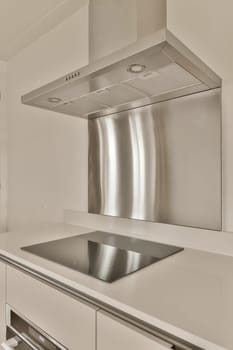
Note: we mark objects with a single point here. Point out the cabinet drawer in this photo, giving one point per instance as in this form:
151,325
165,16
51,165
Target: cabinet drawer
68,320
115,334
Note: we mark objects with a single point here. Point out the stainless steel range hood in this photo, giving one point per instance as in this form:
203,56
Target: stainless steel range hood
148,65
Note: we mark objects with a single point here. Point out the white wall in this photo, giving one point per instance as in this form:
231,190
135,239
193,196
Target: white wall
206,27
3,147
48,152
227,152
47,160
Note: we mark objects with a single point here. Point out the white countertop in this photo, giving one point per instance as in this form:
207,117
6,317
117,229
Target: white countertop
189,294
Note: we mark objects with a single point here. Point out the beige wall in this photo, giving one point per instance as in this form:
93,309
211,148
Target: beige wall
48,152
47,161
227,152
206,27
2,300
3,147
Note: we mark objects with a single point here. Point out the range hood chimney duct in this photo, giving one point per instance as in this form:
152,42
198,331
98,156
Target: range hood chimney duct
114,25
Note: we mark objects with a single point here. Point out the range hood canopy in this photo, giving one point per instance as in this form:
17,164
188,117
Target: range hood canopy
152,68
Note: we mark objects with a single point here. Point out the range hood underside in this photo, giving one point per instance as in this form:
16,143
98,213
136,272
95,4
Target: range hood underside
170,70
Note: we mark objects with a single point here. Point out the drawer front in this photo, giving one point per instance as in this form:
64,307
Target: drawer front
115,334
2,300
68,320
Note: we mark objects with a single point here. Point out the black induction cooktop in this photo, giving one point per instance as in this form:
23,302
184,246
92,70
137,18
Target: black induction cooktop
103,255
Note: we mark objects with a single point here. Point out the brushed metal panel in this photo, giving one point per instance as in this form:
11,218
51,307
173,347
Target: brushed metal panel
160,163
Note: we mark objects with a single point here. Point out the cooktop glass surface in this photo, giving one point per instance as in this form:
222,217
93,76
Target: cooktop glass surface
103,255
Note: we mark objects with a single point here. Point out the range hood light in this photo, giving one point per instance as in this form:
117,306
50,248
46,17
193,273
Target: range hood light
136,68
54,99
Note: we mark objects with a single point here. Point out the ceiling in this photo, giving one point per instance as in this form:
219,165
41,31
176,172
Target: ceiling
23,21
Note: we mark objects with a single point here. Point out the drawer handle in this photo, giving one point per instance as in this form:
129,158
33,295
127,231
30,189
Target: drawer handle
10,344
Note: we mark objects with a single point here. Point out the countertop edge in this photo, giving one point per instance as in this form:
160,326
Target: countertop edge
132,315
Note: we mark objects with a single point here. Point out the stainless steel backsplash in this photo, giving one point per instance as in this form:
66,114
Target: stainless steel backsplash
159,163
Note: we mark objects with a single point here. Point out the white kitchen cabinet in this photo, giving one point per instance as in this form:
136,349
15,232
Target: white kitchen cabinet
68,320
115,334
2,300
